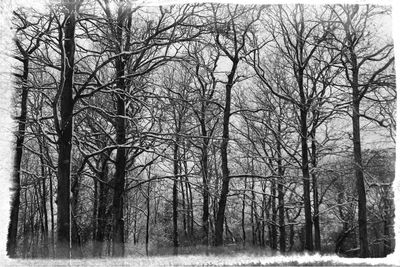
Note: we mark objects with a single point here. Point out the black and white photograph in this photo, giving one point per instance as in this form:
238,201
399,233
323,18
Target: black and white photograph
138,133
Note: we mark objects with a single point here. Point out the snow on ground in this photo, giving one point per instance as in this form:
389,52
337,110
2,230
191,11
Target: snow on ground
187,260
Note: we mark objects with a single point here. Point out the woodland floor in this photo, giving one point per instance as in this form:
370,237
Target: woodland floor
210,260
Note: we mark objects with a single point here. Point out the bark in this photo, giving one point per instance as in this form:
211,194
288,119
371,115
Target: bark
98,235
228,231
52,215
175,198
304,163
65,135
264,215
26,230
184,209
204,170
135,233
76,251
359,175
190,209
44,205
214,200
39,225
189,196
252,212
387,248
387,222
176,170
31,224
147,217
243,212
317,232
273,217
281,197
268,217
95,210
97,246
118,247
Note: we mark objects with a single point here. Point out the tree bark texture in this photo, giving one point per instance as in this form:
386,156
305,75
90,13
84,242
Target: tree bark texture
304,163
65,136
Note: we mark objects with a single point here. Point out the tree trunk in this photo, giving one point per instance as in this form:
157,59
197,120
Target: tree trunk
148,217
119,178
16,176
273,217
44,205
188,192
25,231
387,222
175,197
358,167
184,208
281,196
120,164
191,211
317,232
33,231
135,241
204,171
118,246
243,212
39,224
304,164
268,218
214,199
253,197
95,210
359,175
65,136
219,224
52,215
264,215
76,251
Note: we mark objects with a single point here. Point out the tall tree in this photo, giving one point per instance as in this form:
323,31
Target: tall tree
64,125
23,55
364,67
124,21
297,38
230,37
204,60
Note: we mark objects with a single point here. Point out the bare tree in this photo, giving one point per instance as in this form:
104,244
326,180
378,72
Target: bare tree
64,125
230,37
25,50
297,39
158,135
364,68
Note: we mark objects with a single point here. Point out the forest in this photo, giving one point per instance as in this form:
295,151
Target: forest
202,128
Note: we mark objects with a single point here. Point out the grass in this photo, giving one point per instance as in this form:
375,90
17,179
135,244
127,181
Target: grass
215,258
